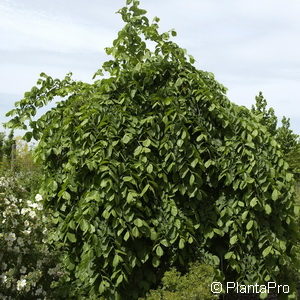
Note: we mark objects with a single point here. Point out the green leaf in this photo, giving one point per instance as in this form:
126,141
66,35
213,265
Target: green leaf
135,232
66,195
164,242
155,261
244,215
127,178
150,168
84,225
138,150
194,163
102,287
208,163
228,255
268,208
153,234
273,143
267,251
282,245
116,260
179,142
159,251
131,197
145,189
249,225
174,211
126,138
288,177
71,237
253,202
138,222
126,236
173,32
233,240
181,243
119,280
178,82
275,195
192,179
146,143
255,133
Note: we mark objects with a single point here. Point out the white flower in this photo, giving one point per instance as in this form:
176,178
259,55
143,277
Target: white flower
23,270
32,214
26,223
38,291
28,231
11,237
38,197
3,278
24,211
20,284
39,263
51,271
20,241
13,198
34,205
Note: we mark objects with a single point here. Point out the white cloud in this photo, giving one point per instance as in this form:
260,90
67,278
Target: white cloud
28,29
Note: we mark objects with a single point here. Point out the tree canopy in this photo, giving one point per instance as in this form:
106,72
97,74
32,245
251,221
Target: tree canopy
151,166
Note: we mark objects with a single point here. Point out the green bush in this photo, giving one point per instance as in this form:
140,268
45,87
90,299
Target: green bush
195,285
148,167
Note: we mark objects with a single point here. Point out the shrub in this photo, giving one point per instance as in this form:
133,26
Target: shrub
28,265
195,285
153,164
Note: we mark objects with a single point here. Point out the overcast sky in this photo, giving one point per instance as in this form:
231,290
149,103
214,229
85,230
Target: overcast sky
250,46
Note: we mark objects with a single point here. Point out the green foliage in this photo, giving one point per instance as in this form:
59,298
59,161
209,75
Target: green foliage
290,145
288,141
196,284
149,166
285,136
7,149
2,136
267,116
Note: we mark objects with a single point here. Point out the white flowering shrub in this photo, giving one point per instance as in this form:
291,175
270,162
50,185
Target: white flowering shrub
28,266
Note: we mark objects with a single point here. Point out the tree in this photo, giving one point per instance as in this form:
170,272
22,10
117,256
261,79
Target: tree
152,165
7,148
2,136
267,117
287,139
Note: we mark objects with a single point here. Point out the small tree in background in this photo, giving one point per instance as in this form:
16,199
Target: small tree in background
7,149
152,166
267,116
2,136
287,139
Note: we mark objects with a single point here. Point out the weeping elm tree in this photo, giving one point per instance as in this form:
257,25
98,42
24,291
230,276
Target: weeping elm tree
151,165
